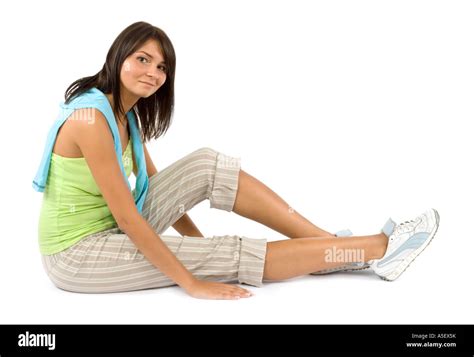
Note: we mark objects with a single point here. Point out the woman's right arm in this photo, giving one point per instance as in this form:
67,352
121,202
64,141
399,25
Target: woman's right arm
97,146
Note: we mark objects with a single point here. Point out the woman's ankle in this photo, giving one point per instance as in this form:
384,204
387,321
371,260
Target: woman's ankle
380,246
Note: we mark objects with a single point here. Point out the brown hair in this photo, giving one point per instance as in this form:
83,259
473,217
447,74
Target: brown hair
153,113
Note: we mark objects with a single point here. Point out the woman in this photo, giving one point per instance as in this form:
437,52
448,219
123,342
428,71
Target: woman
96,235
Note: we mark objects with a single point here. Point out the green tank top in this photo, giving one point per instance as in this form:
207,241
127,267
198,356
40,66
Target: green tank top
73,206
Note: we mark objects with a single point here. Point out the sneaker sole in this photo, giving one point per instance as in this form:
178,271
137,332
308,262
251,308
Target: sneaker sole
339,270
403,266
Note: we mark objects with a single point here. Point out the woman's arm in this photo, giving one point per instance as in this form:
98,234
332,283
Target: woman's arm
184,225
150,166
96,144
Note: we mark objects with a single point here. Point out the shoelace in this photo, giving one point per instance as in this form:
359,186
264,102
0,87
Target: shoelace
405,226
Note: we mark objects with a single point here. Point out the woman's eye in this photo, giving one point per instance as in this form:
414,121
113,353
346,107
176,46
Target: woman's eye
163,68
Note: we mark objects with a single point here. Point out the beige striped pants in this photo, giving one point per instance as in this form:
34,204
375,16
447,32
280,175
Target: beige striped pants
108,261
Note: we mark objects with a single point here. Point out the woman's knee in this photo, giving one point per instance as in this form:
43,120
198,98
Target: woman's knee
203,151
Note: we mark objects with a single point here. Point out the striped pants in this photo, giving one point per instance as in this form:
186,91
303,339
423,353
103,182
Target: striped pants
108,261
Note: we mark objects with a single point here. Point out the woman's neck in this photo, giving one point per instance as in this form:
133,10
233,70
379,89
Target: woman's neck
128,101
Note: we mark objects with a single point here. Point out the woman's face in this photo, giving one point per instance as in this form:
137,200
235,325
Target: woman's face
143,72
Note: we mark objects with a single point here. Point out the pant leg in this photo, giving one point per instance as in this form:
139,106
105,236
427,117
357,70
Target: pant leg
203,174
109,261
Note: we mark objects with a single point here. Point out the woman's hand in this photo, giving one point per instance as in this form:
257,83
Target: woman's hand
212,290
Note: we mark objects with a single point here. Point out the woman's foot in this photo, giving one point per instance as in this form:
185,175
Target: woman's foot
406,242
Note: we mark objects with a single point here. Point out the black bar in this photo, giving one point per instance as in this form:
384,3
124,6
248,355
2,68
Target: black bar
292,340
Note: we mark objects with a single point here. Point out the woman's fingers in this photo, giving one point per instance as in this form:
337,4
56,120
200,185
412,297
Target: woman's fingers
234,292
240,292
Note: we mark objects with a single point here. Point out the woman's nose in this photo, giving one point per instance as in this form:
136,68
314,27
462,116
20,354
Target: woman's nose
156,74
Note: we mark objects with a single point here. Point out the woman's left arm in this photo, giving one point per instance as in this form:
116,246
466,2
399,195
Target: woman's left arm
184,225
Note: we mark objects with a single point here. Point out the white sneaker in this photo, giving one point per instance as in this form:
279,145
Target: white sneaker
408,240
354,266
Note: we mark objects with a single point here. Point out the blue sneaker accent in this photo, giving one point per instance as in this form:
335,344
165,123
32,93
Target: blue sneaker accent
343,233
413,243
389,227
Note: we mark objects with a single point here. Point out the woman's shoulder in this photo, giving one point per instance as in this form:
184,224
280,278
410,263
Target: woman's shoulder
80,123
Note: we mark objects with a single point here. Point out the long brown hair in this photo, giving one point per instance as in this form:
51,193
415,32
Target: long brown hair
153,113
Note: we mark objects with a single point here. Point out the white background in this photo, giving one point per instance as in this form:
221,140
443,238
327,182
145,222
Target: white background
352,111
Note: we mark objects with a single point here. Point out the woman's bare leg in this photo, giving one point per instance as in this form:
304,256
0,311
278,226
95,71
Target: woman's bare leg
294,257
259,203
